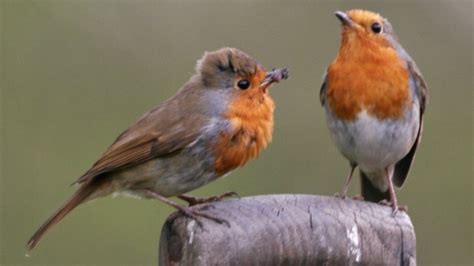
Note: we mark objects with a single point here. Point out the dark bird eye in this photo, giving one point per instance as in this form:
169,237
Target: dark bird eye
243,84
376,27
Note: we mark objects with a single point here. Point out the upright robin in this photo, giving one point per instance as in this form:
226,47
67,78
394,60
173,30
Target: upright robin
374,98
221,118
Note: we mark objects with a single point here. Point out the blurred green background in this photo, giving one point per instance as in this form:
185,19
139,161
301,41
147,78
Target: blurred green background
74,74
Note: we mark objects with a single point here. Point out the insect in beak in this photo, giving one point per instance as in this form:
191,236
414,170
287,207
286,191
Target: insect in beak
275,75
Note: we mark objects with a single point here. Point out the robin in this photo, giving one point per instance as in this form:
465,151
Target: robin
374,97
221,118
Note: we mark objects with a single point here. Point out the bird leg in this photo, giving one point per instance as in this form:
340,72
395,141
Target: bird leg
393,196
347,183
186,210
196,200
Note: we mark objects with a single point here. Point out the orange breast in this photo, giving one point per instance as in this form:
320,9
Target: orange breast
374,80
252,127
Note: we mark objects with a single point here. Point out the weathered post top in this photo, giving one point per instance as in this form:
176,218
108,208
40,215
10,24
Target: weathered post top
290,230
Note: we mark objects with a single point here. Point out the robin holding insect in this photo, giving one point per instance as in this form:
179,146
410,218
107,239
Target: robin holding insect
374,97
221,118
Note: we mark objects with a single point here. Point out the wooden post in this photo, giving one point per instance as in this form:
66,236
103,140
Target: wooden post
290,230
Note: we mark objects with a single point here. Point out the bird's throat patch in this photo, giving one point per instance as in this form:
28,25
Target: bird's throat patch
251,131
378,84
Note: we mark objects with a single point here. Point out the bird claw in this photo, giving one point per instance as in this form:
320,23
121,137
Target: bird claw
395,207
339,195
196,200
342,196
187,211
196,215
358,197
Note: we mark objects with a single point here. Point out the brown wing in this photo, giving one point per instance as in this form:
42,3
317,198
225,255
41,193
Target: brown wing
403,166
162,131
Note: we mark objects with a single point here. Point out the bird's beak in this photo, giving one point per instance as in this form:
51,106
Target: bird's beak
344,18
275,75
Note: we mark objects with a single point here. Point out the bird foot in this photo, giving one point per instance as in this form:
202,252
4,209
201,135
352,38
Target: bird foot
339,195
343,196
196,215
196,200
358,197
192,213
395,206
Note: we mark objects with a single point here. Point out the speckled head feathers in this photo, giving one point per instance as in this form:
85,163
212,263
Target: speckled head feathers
230,61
